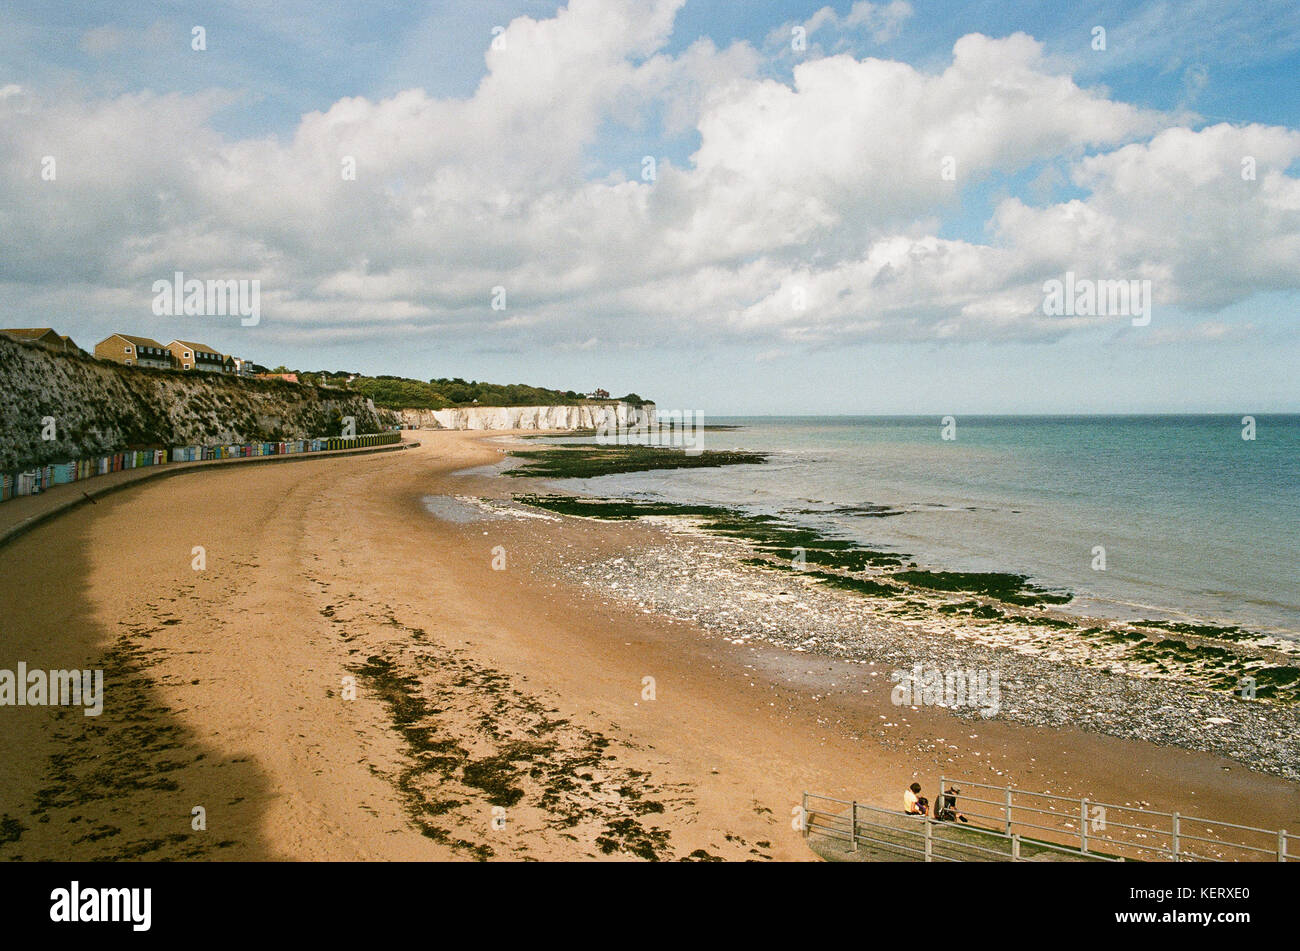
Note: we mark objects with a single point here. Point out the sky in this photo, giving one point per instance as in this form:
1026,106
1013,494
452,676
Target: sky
758,207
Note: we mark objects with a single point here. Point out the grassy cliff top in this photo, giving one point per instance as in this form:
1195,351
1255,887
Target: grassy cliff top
395,392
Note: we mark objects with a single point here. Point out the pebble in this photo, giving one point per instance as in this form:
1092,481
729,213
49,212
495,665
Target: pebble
1044,681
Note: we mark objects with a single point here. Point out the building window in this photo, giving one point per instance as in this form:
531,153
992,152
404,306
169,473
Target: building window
126,350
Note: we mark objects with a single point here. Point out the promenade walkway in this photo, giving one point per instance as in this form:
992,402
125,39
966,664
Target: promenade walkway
20,515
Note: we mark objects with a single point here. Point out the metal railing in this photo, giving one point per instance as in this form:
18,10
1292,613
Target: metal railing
928,839
1126,831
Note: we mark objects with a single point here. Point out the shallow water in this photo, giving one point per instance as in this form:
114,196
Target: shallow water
451,509
1196,522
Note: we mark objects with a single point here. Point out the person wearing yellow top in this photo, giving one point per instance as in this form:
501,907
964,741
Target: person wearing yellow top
913,804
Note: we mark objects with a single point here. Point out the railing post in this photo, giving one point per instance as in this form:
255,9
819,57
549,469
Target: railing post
929,841
1015,847
1176,831
1083,825
1281,845
1008,810
853,826
803,815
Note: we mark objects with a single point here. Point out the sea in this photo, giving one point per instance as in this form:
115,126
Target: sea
1187,518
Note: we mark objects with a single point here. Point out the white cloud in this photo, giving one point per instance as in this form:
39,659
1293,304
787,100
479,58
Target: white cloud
830,185
880,21
1178,210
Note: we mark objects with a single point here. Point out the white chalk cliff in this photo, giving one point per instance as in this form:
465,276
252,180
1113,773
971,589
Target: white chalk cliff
581,416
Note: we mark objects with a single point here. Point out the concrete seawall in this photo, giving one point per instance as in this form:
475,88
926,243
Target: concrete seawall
20,516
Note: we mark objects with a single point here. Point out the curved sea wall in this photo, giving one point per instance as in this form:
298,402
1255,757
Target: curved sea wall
581,416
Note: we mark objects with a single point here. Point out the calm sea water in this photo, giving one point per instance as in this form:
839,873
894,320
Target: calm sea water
1196,522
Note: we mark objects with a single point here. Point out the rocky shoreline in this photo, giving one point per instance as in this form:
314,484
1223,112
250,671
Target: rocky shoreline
1045,677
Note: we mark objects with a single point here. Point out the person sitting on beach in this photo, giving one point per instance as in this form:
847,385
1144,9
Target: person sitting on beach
945,808
913,803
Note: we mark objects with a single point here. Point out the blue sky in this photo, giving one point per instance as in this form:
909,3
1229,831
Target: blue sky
522,168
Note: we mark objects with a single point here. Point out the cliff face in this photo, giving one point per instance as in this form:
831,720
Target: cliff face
584,416
99,407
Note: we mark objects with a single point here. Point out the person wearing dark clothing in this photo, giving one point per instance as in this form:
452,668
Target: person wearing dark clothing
945,809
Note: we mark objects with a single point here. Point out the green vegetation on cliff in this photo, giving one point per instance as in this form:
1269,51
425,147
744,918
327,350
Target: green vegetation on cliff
394,392
398,392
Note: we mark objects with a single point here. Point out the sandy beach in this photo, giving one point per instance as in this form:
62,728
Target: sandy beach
501,707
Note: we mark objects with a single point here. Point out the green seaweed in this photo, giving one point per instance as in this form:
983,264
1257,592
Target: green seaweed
768,534
865,586
1040,621
1215,631
1277,683
860,585
614,509
1003,586
585,461
780,539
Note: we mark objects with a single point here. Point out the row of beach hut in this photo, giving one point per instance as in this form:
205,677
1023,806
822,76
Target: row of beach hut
38,479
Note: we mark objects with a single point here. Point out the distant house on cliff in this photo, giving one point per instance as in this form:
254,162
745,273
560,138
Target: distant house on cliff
188,355
46,337
598,394
134,351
